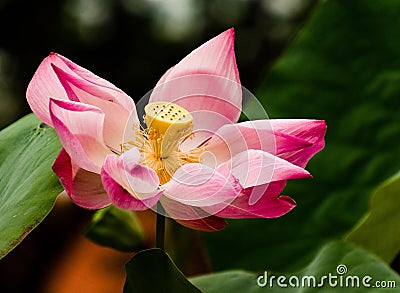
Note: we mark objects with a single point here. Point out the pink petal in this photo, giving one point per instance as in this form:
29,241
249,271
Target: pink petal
191,217
208,224
130,186
232,139
103,86
141,179
270,204
255,167
45,84
199,185
311,131
80,129
111,101
83,187
211,122
205,80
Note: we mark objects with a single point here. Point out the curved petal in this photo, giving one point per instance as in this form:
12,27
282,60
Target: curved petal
45,84
199,185
130,186
112,101
206,79
270,204
210,123
255,167
103,86
191,217
231,139
208,224
80,129
83,187
311,131
141,179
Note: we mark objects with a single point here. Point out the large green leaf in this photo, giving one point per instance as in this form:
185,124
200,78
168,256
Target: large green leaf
152,270
337,259
379,230
115,228
28,186
344,67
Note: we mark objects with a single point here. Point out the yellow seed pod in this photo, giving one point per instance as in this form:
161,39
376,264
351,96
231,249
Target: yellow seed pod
168,119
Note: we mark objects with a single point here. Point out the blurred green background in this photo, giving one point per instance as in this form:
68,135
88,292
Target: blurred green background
343,67
336,60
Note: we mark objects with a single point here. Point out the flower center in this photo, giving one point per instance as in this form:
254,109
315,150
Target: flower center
167,118
168,126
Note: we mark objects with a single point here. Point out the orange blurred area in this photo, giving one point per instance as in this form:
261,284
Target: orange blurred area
87,267
57,258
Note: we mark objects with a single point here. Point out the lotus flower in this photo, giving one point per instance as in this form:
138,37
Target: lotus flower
189,153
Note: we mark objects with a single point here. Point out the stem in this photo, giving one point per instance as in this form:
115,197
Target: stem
160,227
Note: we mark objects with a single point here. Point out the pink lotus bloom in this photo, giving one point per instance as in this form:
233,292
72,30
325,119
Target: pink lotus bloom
191,154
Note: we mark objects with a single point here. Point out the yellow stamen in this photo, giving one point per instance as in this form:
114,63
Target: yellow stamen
168,125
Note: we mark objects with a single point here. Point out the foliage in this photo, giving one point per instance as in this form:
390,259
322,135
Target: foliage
153,271
344,67
28,186
119,229
330,259
378,231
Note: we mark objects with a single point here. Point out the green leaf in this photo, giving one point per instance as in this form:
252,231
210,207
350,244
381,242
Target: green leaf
332,258
228,281
28,186
379,230
344,67
115,228
152,270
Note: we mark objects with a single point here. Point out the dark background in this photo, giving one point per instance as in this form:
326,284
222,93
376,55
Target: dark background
133,42
130,43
